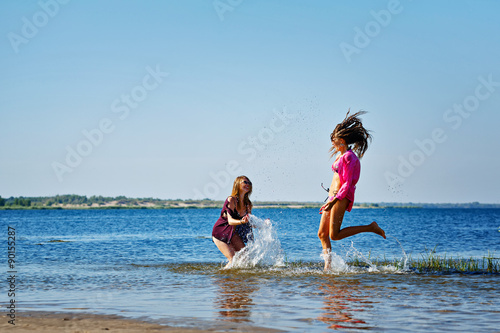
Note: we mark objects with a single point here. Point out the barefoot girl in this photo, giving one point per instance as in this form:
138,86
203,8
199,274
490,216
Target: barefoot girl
347,138
232,229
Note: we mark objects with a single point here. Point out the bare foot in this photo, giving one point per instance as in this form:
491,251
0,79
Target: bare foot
328,259
327,265
378,230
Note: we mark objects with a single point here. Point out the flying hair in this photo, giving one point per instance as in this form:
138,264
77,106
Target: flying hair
354,134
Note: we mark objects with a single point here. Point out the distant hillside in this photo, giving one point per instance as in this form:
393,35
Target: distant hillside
73,201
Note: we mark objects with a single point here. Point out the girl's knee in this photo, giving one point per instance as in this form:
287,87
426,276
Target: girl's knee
322,235
334,235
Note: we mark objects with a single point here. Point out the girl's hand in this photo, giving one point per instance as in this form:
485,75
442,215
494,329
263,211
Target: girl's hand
326,207
245,219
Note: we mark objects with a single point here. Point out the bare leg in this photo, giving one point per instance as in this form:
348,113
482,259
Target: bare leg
337,216
324,237
236,242
228,250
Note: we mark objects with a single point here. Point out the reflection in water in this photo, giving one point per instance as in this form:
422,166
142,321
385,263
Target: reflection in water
342,302
233,298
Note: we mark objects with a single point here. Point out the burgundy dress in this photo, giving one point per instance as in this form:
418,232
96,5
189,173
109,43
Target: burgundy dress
222,230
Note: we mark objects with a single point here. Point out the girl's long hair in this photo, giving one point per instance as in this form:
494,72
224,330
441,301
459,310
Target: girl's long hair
236,191
354,134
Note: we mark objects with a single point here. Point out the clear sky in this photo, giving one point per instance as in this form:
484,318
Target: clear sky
174,99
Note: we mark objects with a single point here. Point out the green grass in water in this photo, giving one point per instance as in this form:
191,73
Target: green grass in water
432,263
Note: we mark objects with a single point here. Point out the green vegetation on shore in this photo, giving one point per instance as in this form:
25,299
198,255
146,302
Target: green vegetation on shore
433,263
73,201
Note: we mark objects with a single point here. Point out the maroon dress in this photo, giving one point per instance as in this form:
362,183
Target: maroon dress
222,230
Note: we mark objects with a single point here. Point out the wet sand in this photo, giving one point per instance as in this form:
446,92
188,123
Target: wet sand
46,322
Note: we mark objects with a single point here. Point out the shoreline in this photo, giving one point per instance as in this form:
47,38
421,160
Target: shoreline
76,202
152,206
63,322
105,207
256,206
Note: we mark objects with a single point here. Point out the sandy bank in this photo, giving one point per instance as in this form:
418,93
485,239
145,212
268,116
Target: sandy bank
46,322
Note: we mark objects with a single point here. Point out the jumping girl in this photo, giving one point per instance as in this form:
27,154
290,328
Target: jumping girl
348,139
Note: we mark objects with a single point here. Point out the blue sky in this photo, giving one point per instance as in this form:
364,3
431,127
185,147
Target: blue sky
174,99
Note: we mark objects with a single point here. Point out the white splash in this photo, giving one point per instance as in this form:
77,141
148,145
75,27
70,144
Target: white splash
339,262
404,260
356,254
265,248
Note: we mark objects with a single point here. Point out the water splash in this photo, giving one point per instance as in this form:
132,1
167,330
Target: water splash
265,248
357,255
351,260
337,263
404,259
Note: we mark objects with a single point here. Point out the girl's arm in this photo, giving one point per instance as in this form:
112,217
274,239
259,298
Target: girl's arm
231,208
326,207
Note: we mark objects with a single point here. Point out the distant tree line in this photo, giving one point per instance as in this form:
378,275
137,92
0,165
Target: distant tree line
22,202
67,199
99,200
82,200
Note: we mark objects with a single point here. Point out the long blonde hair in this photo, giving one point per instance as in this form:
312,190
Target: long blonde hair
236,191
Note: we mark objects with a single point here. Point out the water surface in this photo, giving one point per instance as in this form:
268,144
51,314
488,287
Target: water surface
162,265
